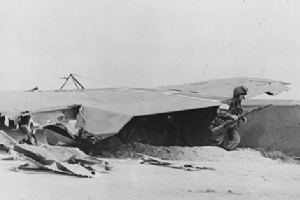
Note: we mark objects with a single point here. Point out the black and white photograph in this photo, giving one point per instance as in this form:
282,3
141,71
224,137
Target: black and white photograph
150,99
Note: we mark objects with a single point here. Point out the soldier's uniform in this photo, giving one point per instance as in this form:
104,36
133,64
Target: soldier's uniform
229,138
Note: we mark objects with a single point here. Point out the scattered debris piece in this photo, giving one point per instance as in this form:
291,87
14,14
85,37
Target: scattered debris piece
156,161
207,191
8,158
232,192
210,191
66,160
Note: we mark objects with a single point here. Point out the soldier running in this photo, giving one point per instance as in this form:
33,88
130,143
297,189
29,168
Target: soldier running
229,139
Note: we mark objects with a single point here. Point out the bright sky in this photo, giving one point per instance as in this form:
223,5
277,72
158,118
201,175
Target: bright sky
145,43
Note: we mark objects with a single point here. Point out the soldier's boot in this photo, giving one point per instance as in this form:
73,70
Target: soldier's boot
232,141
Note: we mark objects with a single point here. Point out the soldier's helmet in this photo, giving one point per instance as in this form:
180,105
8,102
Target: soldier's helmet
240,90
25,113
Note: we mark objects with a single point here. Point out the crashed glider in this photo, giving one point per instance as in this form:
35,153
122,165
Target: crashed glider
105,112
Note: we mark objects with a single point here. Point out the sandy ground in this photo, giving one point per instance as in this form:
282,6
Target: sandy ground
242,174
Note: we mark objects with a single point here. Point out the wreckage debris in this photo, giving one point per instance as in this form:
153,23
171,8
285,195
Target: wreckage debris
156,161
58,134
64,160
6,141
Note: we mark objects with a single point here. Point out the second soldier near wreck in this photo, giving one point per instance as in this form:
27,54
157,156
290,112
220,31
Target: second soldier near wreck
229,138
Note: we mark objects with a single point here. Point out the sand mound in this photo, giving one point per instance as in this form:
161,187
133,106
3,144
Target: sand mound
207,153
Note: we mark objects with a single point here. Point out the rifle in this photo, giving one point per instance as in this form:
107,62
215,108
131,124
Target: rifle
231,123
